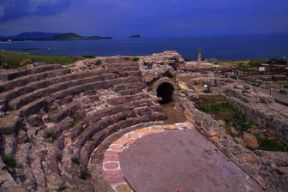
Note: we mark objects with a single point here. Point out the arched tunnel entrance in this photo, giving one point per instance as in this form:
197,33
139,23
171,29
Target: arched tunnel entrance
165,92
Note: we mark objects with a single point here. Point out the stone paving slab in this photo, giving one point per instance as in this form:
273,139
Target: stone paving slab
174,158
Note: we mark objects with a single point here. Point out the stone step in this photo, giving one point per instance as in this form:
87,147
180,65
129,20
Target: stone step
98,125
131,91
13,74
129,85
12,94
90,145
26,98
63,112
32,78
34,107
10,124
123,68
128,98
90,86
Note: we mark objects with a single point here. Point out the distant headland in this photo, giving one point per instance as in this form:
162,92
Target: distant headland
135,36
42,36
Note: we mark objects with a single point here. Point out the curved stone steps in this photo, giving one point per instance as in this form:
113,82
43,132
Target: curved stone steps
13,74
91,144
131,91
128,85
128,98
12,94
29,97
103,126
108,117
89,86
63,112
124,68
8,85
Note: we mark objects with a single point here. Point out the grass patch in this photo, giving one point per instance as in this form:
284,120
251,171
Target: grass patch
242,123
271,145
75,160
217,107
12,60
9,160
220,109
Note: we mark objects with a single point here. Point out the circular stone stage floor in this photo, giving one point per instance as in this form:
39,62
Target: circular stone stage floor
175,160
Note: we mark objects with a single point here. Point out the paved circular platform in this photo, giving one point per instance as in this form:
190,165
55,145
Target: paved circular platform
176,160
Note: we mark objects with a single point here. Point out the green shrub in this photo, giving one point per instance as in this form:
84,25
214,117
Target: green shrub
75,160
242,122
98,62
278,78
123,118
88,56
271,145
9,160
136,59
50,134
84,174
215,107
61,188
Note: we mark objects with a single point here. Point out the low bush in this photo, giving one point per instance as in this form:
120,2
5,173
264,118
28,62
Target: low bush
135,58
84,174
75,160
271,145
9,160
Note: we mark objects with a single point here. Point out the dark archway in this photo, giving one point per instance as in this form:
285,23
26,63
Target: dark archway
165,92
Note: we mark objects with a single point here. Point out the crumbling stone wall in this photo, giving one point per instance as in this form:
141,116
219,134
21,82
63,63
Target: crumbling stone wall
160,65
270,175
262,109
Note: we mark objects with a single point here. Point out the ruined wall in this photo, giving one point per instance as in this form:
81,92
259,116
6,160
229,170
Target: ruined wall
270,175
261,109
160,65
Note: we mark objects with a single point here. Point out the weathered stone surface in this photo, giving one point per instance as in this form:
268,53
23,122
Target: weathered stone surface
250,140
10,124
159,65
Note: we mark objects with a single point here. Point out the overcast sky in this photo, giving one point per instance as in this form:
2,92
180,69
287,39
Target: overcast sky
120,18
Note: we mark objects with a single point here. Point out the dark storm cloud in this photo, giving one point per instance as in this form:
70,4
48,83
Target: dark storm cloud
147,17
15,9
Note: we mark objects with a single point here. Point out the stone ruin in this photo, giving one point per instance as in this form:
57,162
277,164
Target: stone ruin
53,117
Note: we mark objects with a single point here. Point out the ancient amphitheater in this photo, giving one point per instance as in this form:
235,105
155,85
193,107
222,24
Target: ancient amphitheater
71,128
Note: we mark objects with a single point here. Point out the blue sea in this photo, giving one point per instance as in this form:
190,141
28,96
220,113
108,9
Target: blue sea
218,47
